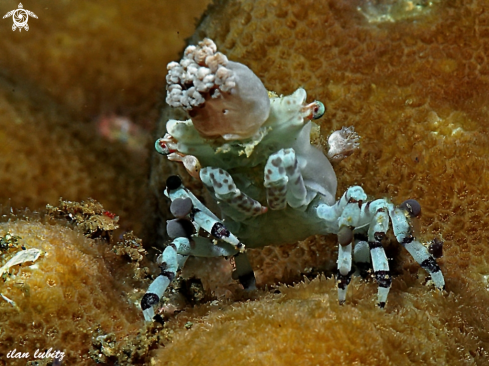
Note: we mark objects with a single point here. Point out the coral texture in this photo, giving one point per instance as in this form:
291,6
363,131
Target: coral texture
47,152
98,57
63,297
304,325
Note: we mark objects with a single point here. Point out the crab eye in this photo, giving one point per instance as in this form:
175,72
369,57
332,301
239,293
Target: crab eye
161,147
318,110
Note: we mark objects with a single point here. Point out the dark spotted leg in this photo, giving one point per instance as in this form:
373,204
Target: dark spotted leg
221,184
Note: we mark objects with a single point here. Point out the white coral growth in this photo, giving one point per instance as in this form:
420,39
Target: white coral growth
224,98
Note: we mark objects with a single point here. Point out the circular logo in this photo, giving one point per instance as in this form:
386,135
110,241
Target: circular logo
20,18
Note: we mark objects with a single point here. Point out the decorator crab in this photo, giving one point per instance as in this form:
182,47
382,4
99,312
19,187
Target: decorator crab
252,150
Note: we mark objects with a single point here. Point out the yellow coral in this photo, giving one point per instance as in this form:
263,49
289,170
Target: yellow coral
304,325
63,297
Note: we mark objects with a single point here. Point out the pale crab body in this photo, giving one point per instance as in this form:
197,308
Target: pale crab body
252,150
245,161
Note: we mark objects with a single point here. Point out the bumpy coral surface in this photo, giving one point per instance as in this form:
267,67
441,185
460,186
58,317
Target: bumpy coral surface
96,57
63,297
305,325
413,87
50,153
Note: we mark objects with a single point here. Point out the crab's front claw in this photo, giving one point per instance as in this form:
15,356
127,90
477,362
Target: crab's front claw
166,145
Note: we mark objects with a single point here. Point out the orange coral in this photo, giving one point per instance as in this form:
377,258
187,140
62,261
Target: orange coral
63,297
304,325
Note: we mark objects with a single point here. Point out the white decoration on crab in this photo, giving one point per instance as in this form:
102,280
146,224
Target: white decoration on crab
342,143
217,91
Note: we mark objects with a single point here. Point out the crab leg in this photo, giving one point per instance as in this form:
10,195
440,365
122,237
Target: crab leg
283,181
169,266
202,216
184,243
402,231
356,214
377,230
222,185
361,256
173,258
345,239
